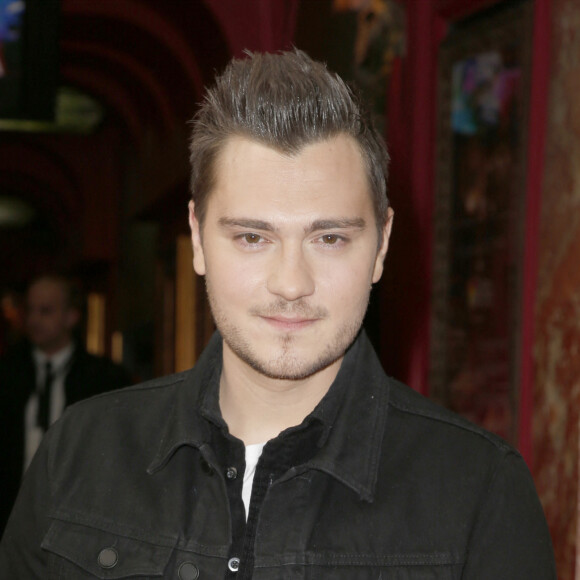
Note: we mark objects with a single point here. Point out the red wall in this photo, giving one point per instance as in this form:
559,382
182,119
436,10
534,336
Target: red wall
412,116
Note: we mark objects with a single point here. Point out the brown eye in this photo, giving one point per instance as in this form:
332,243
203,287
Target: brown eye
251,238
330,239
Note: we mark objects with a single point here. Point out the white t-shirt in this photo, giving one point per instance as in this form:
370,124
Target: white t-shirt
253,453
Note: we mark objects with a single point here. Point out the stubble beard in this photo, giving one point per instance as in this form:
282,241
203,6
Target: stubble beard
286,364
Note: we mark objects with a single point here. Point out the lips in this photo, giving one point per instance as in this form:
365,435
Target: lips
289,324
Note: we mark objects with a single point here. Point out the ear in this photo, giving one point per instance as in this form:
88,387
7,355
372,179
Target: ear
381,254
198,256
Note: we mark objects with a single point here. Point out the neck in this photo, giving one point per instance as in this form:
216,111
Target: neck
257,408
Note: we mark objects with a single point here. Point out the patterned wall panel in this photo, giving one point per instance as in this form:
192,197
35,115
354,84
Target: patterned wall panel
557,344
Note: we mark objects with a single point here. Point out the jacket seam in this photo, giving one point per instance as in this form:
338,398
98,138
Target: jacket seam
495,440
171,381
357,559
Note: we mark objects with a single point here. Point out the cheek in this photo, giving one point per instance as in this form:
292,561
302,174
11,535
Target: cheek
233,280
346,285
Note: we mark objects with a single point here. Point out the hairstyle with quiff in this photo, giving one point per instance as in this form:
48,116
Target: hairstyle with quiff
284,101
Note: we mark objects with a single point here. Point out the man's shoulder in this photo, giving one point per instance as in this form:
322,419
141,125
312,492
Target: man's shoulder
139,412
418,410
150,392
144,406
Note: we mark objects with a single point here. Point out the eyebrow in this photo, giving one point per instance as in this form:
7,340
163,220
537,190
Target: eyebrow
317,225
249,223
357,223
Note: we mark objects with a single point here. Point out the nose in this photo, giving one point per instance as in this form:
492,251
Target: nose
291,277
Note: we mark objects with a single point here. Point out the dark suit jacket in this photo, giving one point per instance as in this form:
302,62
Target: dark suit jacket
88,375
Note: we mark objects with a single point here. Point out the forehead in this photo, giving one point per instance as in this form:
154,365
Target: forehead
321,176
46,292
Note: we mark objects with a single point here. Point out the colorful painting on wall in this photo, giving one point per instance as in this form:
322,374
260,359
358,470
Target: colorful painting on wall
480,216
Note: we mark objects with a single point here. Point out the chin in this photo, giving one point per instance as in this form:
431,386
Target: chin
289,367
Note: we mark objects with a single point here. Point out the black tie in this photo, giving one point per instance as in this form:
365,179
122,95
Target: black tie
44,397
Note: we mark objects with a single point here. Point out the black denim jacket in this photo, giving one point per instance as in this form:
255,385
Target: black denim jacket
127,485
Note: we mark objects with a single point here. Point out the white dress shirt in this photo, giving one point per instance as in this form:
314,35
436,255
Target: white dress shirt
33,433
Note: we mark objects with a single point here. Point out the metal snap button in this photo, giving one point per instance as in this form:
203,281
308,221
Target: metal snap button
231,473
108,558
188,571
234,564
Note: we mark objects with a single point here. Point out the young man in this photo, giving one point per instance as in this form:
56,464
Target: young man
286,452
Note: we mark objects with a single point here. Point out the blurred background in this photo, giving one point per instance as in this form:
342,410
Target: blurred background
479,307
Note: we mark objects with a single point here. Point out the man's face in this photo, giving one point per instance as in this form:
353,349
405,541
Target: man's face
49,318
289,251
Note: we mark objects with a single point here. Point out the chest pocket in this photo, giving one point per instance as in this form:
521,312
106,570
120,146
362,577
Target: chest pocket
79,551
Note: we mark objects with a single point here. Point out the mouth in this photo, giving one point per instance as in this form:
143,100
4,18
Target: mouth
289,323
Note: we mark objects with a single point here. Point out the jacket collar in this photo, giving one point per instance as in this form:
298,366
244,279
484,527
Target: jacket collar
352,450
353,413
184,424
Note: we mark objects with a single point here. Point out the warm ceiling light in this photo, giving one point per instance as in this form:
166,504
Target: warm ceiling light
14,212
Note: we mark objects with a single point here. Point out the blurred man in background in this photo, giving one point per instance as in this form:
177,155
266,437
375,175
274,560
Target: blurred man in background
44,374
